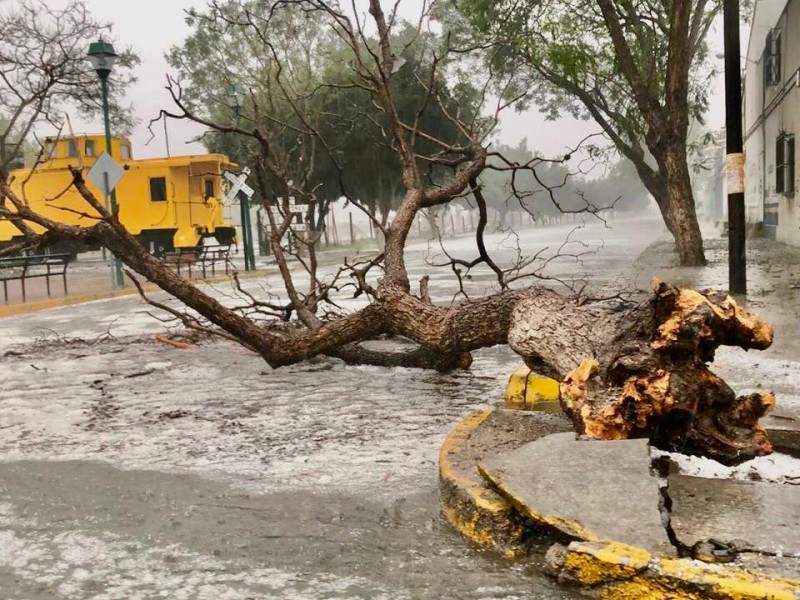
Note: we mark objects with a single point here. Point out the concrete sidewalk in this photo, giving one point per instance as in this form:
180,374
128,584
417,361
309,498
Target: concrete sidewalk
498,514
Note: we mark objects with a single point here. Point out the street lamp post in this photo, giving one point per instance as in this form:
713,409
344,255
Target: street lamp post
234,95
102,56
734,159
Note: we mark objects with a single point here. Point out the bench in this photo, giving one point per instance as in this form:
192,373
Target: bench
22,268
204,256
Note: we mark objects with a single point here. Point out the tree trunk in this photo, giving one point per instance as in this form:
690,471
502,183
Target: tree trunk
681,209
642,371
671,187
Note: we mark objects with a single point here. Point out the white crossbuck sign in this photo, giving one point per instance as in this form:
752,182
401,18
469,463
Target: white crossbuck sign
237,184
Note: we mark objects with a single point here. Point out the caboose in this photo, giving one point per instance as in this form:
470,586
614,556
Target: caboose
166,203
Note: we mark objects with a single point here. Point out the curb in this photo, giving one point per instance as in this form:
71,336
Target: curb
611,569
477,512
468,502
529,391
621,571
21,308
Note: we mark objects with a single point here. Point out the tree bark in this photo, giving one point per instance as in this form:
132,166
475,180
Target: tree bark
681,208
642,371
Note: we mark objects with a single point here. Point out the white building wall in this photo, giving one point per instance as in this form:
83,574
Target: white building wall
770,111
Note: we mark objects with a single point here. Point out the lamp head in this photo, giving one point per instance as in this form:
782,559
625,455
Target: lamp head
102,56
234,96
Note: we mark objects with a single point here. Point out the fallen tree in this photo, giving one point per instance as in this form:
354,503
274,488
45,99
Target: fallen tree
642,371
646,373
279,122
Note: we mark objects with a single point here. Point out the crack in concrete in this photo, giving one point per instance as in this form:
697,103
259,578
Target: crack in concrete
660,467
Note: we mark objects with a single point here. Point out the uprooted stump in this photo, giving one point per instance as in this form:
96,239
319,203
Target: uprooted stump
642,371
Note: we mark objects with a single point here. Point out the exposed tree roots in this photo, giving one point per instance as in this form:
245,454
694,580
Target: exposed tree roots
642,371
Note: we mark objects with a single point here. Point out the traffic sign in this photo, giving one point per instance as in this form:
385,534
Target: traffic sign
105,173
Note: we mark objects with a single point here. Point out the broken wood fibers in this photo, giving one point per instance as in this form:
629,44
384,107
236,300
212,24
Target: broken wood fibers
643,371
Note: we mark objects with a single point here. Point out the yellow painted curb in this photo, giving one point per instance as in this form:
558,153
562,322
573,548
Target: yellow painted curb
10,310
479,513
614,570
624,572
528,391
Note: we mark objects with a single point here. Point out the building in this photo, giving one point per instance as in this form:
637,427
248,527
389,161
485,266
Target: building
772,118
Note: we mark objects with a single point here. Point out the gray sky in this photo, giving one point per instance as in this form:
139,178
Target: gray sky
152,26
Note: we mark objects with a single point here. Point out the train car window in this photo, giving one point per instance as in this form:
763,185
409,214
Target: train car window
158,189
48,151
89,150
72,148
209,191
125,152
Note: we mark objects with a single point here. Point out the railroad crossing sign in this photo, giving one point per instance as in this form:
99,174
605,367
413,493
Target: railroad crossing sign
237,184
105,173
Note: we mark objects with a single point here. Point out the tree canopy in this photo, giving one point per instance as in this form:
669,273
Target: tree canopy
44,71
624,64
326,132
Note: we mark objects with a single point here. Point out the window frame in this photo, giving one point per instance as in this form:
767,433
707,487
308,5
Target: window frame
784,163
206,184
151,181
772,59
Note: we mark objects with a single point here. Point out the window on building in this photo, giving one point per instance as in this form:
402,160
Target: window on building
209,189
72,148
784,164
89,149
125,152
158,189
772,59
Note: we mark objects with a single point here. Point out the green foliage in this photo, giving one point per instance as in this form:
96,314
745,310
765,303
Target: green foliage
326,132
564,50
45,71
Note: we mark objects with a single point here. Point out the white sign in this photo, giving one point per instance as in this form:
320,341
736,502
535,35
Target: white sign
298,212
105,173
734,172
237,184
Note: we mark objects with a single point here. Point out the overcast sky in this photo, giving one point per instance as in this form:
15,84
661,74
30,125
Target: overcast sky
152,26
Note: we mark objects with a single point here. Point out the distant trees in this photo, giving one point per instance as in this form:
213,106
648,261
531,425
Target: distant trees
627,66
619,186
44,71
551,189
323,128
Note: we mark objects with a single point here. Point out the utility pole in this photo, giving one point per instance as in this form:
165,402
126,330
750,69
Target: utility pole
734,159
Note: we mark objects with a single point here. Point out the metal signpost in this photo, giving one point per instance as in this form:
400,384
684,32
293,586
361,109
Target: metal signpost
237,184
105,175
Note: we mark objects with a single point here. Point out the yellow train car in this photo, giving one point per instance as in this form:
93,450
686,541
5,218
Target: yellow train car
167,203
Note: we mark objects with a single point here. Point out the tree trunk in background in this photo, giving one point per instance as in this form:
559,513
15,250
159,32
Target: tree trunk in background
671,187
682,214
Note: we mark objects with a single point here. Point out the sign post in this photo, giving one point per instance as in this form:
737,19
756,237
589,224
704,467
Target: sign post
105,175
237,184
297,211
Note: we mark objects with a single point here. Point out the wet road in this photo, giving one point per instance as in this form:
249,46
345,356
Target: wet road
129,469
